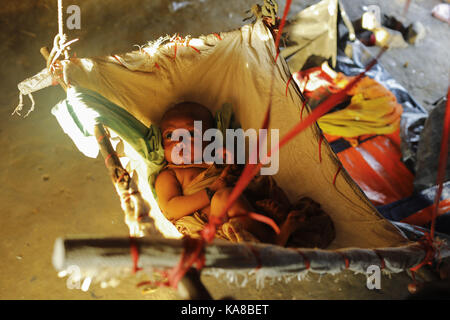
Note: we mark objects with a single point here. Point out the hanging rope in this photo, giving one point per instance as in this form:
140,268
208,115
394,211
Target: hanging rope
41,80
60,19
430,244
60,46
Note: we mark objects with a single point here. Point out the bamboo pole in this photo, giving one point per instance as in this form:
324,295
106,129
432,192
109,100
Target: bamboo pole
119,176
115,168
162,253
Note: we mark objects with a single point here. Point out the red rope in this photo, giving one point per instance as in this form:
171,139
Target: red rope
117,58
209,230
109,157
193,253
196,50
382,262
346,261
175,51
427,244
288,82
100,139
280,29
218,36
134,254
121,177
305,259
336,174
128,196
266,220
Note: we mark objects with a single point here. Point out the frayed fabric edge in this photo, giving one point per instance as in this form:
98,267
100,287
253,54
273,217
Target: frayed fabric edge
38,82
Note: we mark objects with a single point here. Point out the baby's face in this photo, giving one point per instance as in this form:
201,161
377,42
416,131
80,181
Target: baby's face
177,148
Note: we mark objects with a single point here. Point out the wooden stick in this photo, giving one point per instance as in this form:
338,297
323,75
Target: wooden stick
192,288
45,53
165,253
119,176
112,161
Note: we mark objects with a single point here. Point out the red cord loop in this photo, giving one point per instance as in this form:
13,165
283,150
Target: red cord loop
127,196
100,139
193,253
428,245
109,157
134,254
347,262
121,177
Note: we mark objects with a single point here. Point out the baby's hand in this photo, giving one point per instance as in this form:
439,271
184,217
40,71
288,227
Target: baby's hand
220,182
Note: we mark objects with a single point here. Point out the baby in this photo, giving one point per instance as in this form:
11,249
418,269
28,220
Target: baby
187,186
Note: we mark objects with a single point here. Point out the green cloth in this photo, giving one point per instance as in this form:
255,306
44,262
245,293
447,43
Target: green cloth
83,109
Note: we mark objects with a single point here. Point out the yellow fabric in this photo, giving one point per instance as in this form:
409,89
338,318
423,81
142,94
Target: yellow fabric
373,110
193,224
203,180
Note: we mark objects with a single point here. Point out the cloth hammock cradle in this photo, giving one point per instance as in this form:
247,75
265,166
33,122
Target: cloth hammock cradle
234,67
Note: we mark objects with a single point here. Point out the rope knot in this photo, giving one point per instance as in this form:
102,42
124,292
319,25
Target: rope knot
431,247
60,46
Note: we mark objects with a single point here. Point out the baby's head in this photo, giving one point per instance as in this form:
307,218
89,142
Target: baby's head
182,116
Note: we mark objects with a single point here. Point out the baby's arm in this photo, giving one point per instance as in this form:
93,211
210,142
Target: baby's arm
171,200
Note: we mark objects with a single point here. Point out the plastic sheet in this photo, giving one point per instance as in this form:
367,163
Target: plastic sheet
417,209
419,146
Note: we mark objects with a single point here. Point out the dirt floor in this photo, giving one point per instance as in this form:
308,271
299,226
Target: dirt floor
49,189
